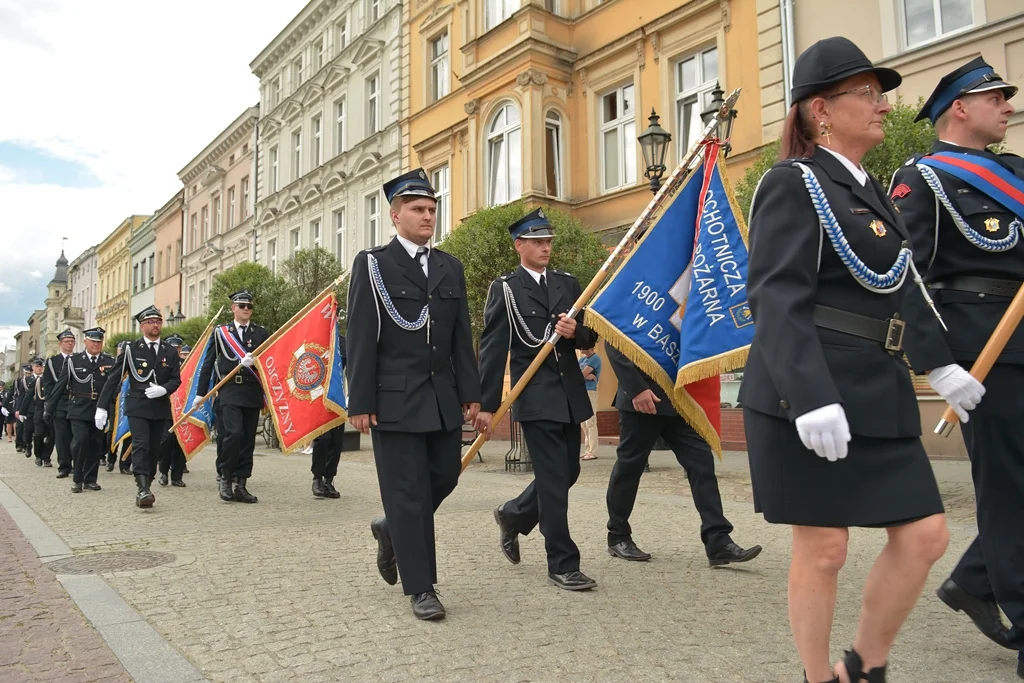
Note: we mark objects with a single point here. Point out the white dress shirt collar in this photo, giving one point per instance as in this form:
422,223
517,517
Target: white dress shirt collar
859,174
535,275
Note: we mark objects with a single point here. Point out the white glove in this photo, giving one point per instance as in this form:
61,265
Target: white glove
4,411
154,391
101,419
961,391
825,431
21,418
247,361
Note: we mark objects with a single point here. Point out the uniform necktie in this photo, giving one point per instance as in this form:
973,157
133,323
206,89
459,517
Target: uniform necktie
543,283
421,258
154,346
241,330
92,359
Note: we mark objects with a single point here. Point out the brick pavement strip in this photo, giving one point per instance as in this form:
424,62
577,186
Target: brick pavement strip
286,590
43,636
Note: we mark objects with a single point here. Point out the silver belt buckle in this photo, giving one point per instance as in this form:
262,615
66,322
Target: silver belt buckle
894,335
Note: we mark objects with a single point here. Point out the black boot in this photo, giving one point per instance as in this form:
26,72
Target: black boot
318,487
329,487
110,466
224,487
144,498
163,479
241,494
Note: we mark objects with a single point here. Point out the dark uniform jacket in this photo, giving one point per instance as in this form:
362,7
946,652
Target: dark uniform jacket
558,391
51,374
795,367
941,252
244,389
32,397
148,368
80,384
633,382
412,382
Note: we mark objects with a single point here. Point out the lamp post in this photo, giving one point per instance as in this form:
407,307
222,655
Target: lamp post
176,318
654,144
725,125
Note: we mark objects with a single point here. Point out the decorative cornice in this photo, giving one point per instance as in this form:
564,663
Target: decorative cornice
228,139
472,107
531,75
436,17
726,18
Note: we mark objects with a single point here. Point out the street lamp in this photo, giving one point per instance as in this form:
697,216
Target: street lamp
654,144
176,318
725,125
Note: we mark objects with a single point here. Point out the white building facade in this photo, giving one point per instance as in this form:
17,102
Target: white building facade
83,279
142,246
329,133
218,187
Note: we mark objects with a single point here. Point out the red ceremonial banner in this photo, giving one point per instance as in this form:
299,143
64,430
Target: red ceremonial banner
296,370
193,433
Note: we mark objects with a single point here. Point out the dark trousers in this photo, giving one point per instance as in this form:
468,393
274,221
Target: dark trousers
555,452
172,458
147,435
220,435
993,566
238,426
87,447
416,472
28,432
637,434
327,453
19,433
42,436
62,442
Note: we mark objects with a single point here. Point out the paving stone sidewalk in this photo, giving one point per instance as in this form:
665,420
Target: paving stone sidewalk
43,636
286,590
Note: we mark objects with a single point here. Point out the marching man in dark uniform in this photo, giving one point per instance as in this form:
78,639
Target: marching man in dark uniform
239,402
59,420
152,368
327,455
22,434
646,413
523,309
36,432
830,412
172,458
84,376
413,381
964,206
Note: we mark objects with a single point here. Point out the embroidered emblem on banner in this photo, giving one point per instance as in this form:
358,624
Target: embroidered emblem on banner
308,371
741,315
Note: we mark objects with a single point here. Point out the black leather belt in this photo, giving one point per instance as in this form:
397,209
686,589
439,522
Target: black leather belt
91,396
979,285
889,333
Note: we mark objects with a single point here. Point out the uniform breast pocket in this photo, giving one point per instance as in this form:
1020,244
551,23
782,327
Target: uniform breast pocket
986,217
449,298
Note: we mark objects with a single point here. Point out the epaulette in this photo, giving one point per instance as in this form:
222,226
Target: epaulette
505,276
371,250
913,160
561,272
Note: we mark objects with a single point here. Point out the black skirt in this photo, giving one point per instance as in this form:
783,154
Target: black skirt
881,482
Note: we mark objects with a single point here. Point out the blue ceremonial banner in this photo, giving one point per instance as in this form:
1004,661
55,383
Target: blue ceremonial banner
336,383
677,306
120,431
203,416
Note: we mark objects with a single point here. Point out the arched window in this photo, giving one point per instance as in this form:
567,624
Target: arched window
504,156
553,153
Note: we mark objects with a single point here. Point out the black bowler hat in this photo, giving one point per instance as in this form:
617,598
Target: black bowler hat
830,61
149,313
66,334
974,76
414,183
94,333
533,225
241,297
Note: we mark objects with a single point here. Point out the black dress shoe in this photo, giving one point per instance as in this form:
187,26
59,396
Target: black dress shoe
329,487
732,553
47,463
1020,664
110,467
508,538
63,475
572,581
985,614
627,550
163,480
185,471
39,462
426,606
177,482
92,486
387,565
76,487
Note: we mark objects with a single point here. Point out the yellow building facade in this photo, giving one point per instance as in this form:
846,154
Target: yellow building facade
115,265
543,99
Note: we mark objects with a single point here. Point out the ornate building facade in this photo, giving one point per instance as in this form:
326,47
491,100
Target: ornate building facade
83,281
168,225
115,271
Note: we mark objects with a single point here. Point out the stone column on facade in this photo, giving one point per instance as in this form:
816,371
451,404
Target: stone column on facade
769,59
475,188
531,84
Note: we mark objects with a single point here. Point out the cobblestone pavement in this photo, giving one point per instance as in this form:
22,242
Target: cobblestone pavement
287,590
43,636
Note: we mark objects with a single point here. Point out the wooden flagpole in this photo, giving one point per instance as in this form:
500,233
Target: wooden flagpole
639,226
989,355
259,349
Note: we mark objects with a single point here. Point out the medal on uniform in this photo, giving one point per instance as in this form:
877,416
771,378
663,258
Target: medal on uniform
992,224
877,227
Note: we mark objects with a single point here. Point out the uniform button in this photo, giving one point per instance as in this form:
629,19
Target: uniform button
981,295
403,291
429,297
431,373
533,312
784,405
553,315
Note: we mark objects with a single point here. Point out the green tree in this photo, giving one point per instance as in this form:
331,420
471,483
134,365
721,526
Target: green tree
274,299
483,245
310,271
111,341
189,330
903,139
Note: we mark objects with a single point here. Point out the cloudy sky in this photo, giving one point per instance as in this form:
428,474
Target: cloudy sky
104,101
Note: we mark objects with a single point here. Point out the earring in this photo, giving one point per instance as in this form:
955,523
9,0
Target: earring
826,132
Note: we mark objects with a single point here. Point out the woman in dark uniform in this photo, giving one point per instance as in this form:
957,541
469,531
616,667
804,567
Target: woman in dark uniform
831,416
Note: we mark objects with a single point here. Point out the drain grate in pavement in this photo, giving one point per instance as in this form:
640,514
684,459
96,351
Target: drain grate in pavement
102,563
